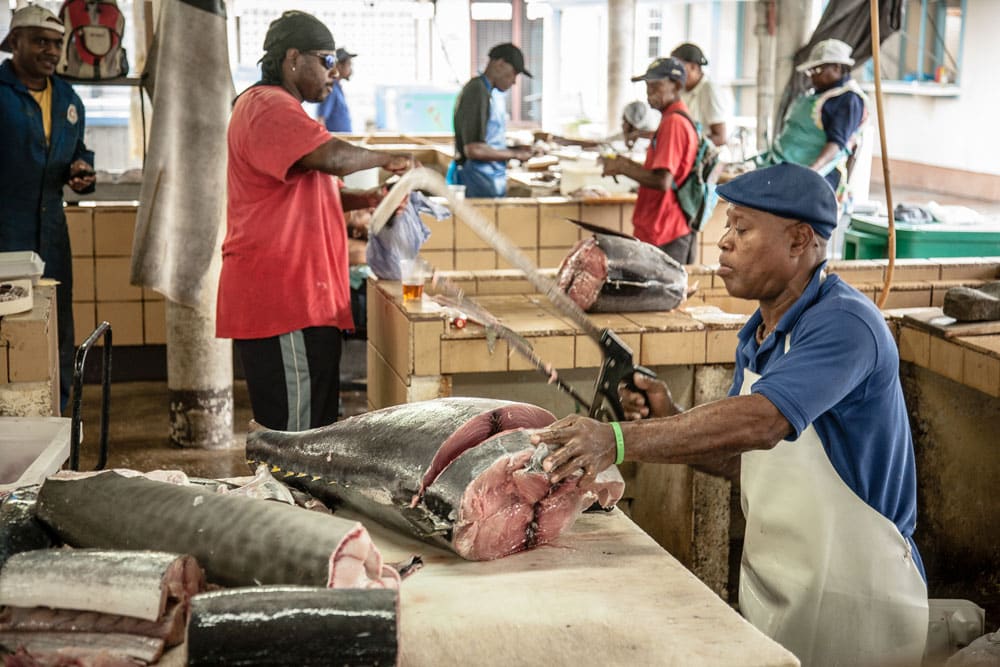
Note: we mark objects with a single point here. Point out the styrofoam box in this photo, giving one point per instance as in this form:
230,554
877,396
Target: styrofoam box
31,449
21,264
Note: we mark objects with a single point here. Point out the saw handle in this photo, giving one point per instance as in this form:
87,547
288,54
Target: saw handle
617,368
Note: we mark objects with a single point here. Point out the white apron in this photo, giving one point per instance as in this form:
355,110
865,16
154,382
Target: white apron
824,574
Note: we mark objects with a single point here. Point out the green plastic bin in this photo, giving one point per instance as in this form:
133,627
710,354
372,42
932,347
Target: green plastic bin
867,238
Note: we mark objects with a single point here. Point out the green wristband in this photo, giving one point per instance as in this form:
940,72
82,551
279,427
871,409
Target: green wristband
619,443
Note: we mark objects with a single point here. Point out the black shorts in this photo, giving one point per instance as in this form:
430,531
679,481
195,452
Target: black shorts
293,379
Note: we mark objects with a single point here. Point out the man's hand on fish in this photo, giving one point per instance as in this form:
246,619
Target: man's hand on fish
654,399
580,443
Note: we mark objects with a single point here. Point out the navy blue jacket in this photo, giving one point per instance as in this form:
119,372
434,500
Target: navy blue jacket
31,177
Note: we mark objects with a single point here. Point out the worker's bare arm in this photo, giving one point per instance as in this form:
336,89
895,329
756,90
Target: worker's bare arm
485,153
340,158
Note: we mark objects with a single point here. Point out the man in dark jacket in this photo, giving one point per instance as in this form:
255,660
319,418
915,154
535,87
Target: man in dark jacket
41,130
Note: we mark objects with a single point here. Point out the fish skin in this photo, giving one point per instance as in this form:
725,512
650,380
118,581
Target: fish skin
293,626
110,582
239,541
633,276
20,529
377,462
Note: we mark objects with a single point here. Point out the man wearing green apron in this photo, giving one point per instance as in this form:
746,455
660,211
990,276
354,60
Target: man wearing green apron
822,125
816,428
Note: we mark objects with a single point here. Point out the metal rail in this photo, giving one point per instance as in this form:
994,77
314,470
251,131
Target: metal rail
103,329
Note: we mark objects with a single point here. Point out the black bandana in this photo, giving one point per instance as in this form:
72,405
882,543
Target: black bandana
297,30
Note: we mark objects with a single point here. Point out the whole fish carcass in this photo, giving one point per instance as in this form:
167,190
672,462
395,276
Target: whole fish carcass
607,273
239,541
455,472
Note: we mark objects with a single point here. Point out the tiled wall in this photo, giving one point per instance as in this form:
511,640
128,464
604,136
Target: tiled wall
101,239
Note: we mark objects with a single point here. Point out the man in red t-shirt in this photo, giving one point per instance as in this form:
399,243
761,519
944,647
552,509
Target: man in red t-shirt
658,218
284,291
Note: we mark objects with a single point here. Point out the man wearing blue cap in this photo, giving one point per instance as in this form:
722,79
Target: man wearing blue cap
816,427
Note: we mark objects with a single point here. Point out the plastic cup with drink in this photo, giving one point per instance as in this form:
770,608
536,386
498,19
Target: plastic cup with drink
413,273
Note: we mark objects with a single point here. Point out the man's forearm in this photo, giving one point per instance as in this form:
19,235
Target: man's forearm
829,152
709,434
486,153
353,200
340,158
659,179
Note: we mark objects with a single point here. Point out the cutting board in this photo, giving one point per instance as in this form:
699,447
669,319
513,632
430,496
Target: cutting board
935,321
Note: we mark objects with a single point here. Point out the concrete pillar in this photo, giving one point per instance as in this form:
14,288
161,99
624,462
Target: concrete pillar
199,370
621,39
765,70
794,27
199,379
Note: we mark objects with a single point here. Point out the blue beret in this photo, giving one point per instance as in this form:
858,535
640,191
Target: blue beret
788,191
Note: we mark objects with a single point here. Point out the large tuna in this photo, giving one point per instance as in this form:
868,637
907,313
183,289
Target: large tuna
457,472
239,541
612,273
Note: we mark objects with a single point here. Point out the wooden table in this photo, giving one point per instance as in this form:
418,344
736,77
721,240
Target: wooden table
604,594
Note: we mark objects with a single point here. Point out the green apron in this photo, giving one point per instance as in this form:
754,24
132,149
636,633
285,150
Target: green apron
802,139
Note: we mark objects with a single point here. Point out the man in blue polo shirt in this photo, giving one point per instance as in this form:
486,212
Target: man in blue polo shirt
815,426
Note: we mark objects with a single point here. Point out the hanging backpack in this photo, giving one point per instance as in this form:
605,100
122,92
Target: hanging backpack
92,47
696,195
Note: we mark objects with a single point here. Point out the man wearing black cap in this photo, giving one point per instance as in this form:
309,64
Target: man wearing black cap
700,93
816,428
658,218
333,109
42,124
480,123
284,294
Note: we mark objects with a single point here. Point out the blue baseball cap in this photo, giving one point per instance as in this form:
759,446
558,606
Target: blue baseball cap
788,191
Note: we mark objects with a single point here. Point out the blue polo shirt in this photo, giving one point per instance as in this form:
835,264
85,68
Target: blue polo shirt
841,374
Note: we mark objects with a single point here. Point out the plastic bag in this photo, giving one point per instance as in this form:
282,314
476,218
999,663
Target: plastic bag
402,237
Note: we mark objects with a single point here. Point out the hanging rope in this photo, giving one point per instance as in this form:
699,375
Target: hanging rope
887,286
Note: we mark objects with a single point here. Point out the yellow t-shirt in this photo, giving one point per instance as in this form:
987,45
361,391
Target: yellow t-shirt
44,99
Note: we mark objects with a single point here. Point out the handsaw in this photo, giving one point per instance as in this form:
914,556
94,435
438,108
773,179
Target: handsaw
618,366
451,296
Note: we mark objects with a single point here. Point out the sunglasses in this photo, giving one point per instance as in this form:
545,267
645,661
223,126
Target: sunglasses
328,59
813,71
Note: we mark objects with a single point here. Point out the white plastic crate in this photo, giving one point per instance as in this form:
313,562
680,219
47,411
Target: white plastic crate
31,448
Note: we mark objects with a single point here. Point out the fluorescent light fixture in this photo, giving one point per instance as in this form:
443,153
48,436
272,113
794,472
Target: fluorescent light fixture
491,11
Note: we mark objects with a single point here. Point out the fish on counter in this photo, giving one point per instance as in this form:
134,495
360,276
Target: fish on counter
111,607
20,530
294,626
239,541
455,472
615,273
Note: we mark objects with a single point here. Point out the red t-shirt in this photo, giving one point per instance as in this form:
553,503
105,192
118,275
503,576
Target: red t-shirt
284,258
658,218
